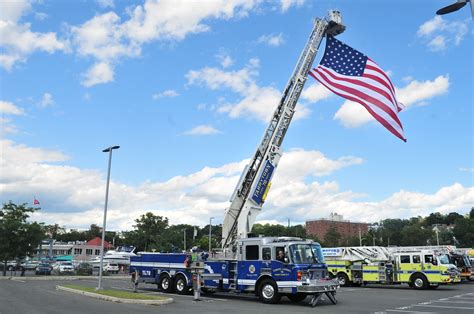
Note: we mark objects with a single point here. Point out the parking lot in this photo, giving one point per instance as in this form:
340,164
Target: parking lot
24,295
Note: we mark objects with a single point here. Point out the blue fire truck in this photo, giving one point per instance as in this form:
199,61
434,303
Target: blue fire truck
257,269
250,264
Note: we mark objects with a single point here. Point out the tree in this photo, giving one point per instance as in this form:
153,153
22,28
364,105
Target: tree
52,231
434,218
452,217
18,238
332,237
416,234
148,232
464,232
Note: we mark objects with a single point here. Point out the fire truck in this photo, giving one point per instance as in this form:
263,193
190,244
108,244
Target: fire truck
255,264
419,268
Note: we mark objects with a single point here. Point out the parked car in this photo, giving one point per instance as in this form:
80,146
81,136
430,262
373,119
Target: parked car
11,265
64,268
111,268
84,269
43,269
29,265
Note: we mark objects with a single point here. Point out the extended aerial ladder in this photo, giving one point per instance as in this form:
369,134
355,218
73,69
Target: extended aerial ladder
358,253
252,188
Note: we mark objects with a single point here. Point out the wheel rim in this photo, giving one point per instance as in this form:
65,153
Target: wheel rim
180,285
418,282
342,280
268,291
165,283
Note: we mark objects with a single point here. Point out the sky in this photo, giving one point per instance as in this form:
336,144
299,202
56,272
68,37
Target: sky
186,89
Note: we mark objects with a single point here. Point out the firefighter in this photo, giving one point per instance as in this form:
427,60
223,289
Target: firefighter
281,255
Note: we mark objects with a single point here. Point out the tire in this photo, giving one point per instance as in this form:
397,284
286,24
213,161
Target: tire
181,285
166,284
343,280
419,282
295,298
268,291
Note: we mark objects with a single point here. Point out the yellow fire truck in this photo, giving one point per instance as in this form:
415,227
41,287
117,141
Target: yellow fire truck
420,269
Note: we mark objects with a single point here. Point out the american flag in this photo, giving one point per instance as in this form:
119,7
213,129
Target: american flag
354,76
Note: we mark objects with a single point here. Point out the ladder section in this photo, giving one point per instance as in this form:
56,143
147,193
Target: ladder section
253,186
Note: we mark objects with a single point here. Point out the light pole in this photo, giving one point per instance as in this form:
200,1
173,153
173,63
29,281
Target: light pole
184,236
210,225
107,150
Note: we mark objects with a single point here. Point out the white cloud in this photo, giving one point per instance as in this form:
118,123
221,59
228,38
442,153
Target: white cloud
272,40
438,43
18,41
6,127
7,107
286,4
170,93
466,169
225,60
256,102
352,114
315,92
106,3
74,197
99,73
202,130
47,100
439,33
107,38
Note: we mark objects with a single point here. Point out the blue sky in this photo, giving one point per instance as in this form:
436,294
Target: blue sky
186,90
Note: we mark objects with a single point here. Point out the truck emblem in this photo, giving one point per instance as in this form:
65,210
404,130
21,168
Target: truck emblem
251,269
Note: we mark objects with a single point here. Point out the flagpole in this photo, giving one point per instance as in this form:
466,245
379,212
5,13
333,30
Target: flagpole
210,230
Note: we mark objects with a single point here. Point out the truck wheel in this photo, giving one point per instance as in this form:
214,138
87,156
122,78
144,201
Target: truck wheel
268,292
343,279
296,297
419,282
166,284
180,285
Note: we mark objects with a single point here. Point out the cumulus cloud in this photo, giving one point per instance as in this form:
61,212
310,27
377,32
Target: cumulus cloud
225,60
99,73
439,33
47,100
7,107
203,130
107,38
106,3
256,102
286,4
170,93
352,114
315,92
273,40
74,197
18,41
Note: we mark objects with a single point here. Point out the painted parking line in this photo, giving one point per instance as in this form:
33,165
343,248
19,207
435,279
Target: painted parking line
445,307
448,301
405,311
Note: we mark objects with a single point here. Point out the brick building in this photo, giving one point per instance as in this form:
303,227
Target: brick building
345,228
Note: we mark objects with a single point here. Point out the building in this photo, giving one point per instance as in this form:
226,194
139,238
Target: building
77,250
345,228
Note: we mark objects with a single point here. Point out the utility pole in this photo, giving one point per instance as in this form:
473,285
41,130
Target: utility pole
184,235
210,229
360,237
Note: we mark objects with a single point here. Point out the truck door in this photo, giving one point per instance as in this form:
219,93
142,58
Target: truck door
404,268
249,268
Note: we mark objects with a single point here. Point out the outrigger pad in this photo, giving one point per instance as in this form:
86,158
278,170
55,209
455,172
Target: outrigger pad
332,296
315,299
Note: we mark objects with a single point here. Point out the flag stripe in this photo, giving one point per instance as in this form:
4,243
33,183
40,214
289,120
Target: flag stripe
371,65
364,82
362,93
378,114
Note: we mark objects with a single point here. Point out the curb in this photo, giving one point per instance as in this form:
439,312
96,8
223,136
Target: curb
26,278
114,299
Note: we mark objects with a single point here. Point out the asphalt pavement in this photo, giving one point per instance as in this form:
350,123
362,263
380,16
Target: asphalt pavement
40,296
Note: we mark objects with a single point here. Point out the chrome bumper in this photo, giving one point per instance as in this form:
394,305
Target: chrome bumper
319,285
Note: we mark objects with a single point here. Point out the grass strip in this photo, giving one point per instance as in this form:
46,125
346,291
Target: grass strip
116,293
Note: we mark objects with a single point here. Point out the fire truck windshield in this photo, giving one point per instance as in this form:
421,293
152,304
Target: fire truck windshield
444,259
305,253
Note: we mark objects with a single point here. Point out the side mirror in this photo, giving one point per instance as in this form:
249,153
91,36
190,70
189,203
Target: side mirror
435,262
286,260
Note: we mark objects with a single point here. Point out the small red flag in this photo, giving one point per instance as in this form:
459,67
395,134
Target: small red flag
36,202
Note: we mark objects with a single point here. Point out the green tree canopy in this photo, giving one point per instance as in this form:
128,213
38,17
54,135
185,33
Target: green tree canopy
18,238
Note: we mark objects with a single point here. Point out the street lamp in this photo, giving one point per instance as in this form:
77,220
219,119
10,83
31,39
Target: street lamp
107,150
210,224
